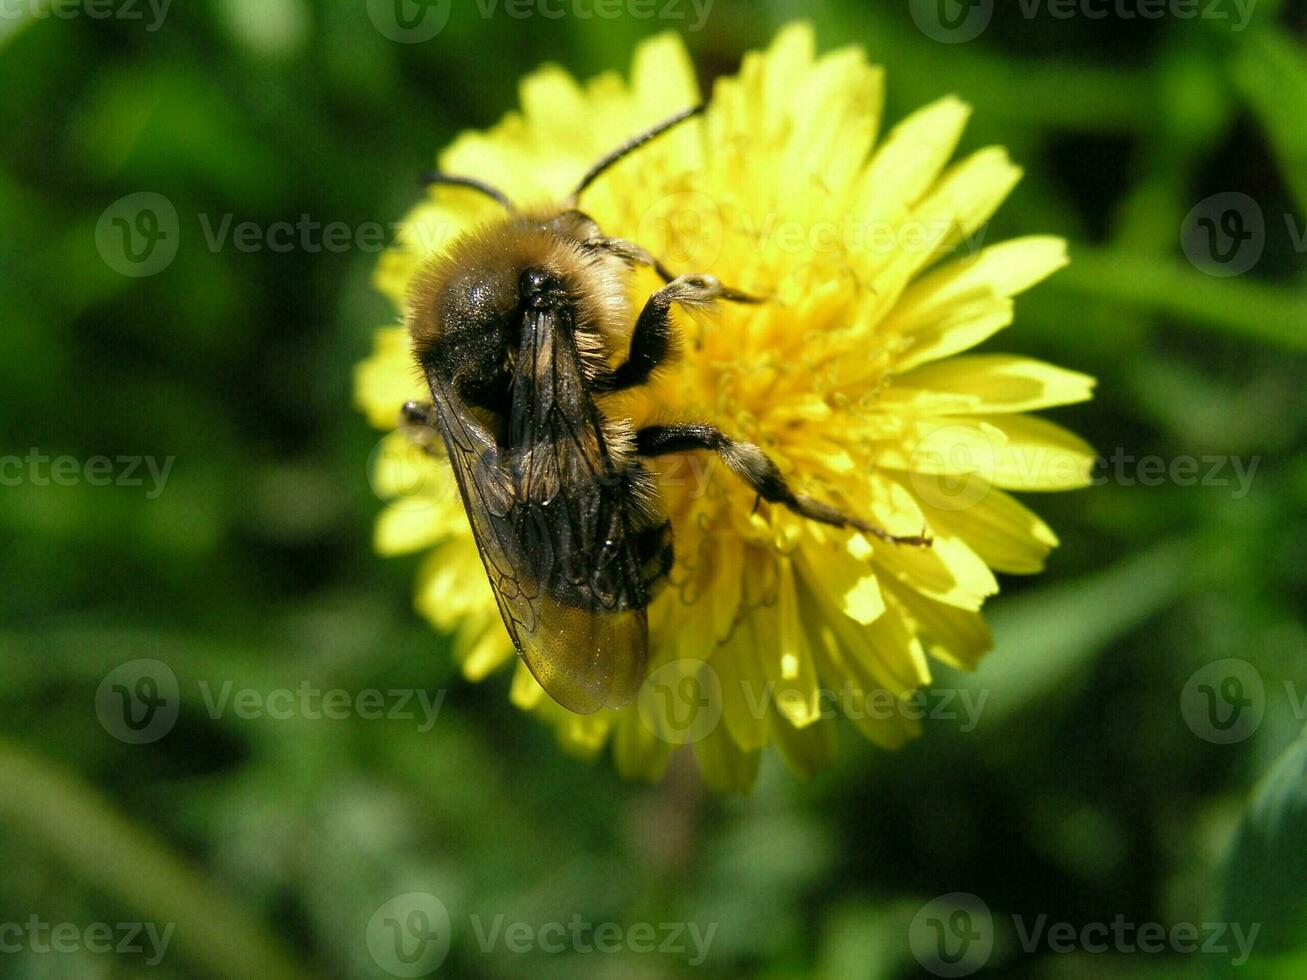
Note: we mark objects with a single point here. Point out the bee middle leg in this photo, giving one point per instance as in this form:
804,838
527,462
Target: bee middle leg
759,471
653,340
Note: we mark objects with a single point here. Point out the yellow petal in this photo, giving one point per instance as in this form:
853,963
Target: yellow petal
387,378
788,667
663,77
938,330
403,529
907,163
988,383
830,147
808,750
948,570
1002,270
954,636
526,692
489,651
584,735
1038,455
827,564
726,768
555,108
744,710
1006,535
637,752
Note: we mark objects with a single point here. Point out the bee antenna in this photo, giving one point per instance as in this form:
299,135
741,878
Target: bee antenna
631,145
432,177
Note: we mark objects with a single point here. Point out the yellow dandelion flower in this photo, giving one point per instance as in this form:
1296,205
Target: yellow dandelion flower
851,376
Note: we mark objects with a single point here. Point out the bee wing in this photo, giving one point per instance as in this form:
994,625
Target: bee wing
586,656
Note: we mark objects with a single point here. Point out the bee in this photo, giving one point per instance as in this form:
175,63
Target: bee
517,329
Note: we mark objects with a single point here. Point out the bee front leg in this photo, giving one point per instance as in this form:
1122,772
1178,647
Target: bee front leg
630,253
759,471
417,420
653,341
418,413
634,255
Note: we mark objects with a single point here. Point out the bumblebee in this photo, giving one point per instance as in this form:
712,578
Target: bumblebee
516,329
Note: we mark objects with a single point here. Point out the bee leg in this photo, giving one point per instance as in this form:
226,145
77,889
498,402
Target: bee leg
633,255
418,413
417,420
759,471
630,253
653,340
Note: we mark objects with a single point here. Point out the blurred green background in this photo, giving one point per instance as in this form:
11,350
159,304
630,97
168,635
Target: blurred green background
1092,787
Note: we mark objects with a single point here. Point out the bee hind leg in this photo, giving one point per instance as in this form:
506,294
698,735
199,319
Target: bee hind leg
759,471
